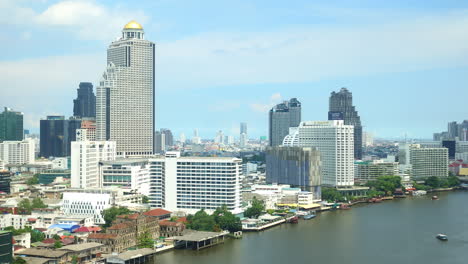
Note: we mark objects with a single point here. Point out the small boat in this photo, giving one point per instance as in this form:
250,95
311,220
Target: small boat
344,207
294,220
442,237
309,216
435,197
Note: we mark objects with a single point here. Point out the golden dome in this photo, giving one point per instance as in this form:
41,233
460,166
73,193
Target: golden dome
133,25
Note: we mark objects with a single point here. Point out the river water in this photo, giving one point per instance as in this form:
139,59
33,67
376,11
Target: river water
399,231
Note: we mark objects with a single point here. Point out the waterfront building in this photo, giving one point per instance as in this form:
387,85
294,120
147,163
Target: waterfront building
132,174
193,183
295,166
125,95
56,135
341,108
86,204
281,118
428,162
11,125
365,171
5,179
335,142
6,247
85,104
85,159
18,152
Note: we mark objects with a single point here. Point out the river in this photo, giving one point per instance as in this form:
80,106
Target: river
399,231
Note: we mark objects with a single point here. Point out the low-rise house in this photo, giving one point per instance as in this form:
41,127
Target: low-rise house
170,229
23,240
84,252
159,213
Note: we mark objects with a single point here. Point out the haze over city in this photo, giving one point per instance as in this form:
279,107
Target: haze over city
221,63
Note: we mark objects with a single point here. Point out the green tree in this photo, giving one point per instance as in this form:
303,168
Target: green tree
33,180
74,259
111,213
38,203
433,182
145,199
453,181
56,237
37,236
19,260
57,244
24,206
386,184
332,195
201,221
145,240
256,209
226,220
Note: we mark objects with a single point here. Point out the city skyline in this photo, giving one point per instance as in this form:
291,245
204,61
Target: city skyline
421,66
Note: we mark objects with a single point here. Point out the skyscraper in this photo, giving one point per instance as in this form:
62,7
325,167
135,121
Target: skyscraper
125,96
341,107
452,129
243,128
85,104
281,118
11,125
56,135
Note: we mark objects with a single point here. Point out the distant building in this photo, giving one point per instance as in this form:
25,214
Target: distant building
85,159
125,105
18,152
281,118
243,140
428,162
365,171
87,131
243,128
342,103
335,141
451,146
296,166
85,104
6,247
367,139
56,135
11,125
452,129
163,139
5,179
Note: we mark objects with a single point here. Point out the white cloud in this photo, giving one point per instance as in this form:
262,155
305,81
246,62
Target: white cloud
265,107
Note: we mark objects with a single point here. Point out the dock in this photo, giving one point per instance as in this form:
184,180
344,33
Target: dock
199,239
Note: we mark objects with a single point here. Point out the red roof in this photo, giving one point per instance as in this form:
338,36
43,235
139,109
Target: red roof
48,241
88,229
32,219
118,226
132,216
169,223
102,236
182,219
157,212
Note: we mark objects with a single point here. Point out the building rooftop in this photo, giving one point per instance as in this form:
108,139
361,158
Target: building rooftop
34,260
157,212
131,254
46,253
81,247
102,236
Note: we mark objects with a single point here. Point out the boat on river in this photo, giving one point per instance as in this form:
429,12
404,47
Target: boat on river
442,237
435,197
309,216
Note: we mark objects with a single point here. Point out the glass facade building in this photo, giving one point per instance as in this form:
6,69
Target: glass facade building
85,104
11,125
56,135
281,118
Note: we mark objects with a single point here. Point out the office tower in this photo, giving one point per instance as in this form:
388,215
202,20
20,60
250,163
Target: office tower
87,131
125,96
11,125
365,171
335,141
159,142
5,179
341,107
182,138
230,140
428,162
168,137
281,118
85,104
196,138
463,131
18,152
85,159
451,146
219,137
452,129
6,247
243,140
367,139
172,188
56,135
296,166
243,128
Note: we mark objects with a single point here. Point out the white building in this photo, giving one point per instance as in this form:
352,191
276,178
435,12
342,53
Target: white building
60,163
23,240
85,158
86,204
305,198
367,139
365,171
193,183
132,174
335,141
125,95
16,221
428,162
243,140
18,152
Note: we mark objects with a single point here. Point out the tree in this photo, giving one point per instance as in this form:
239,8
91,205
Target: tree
145,240
24,206
226,220
111,213
38,203
19,260
74,259
201,221
255,209
37,236
33,180
433,182
453,181
145,199
57,244
56,237
332,195
386,184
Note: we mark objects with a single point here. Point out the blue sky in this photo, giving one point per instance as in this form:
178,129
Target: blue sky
220,63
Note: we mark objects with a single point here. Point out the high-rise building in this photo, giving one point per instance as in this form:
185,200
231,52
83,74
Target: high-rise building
168,137
217,182
196,138
451,146
281,118
341,107
428,162
243,128
85,104
18,152
219,138
365,171
296,166
131,174
87,131
5,179
6,247
159,142
452,129
243,140
11,125
367,139
463,131
85,159
125,96
56,135
335,141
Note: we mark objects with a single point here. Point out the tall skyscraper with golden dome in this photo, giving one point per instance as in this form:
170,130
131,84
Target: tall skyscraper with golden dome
125,95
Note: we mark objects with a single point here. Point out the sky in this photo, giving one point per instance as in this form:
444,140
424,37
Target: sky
219,63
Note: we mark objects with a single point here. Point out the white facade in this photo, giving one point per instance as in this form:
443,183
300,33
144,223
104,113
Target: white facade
60,163
428,162
125,96
335,141
23,240
367,139
16,221
365,171
18,152
83,134
305,198
128,174
86,204
243,140
85,158
193,183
